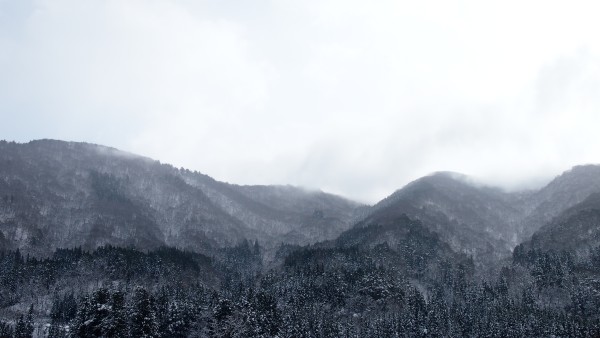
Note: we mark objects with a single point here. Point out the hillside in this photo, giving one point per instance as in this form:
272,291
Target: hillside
58,194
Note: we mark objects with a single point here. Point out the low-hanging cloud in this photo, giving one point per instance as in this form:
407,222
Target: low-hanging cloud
353,97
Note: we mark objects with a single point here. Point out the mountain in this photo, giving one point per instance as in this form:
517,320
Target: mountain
474,219
575,230
282,213
566,214
563,192
483,221
56,194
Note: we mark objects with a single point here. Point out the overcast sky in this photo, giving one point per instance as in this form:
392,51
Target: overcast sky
353,97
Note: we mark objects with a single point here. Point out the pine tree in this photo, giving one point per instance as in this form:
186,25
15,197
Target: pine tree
116,322
79,326
29,325
143,316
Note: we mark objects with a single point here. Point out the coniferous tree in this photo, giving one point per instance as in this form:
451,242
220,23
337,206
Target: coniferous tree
116,321
143,316
29,325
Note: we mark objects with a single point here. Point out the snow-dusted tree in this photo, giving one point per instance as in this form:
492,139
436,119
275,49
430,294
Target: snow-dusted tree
143,316
22,329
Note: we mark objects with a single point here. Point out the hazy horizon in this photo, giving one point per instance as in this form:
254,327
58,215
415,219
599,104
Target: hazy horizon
538,183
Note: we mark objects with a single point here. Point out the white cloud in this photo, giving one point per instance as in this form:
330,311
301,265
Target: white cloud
353,97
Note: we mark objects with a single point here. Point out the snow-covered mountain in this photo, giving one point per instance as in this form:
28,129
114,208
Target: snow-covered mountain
565,191
57,194
484,221
576,230
477,220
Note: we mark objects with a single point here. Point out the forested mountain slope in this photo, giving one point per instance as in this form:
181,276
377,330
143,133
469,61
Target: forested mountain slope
56,194
566,190
576,230
483,221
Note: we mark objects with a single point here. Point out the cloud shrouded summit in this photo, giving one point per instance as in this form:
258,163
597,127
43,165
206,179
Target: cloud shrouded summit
355,98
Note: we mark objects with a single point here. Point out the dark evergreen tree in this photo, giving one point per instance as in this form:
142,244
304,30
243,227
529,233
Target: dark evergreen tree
115,324
143,323
29,324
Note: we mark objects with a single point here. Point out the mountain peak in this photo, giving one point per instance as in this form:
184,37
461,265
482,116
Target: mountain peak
449,174
446,180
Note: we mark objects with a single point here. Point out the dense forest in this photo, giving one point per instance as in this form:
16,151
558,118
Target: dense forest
307,292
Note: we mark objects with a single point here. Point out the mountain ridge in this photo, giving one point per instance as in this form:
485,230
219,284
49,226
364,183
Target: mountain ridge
483,220
65,194
92,195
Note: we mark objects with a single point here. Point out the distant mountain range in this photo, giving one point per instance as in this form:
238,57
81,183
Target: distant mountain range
56,194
